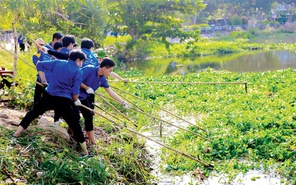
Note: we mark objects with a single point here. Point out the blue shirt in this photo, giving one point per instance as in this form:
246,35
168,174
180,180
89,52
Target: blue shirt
39,56
66,77
91,79
20,39
47,56
50,46
65,50
90,58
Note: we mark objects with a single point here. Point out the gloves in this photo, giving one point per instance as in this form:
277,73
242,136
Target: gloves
125,105
90,91
44,84
44,49
77,102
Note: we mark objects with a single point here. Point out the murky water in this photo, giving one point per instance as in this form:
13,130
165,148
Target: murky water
252,177
155,149
260,62
251,62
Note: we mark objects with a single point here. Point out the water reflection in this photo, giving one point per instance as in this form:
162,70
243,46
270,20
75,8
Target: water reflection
252,62
260,62
175,68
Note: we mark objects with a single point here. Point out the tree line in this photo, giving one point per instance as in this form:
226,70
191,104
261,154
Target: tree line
141,19
154,19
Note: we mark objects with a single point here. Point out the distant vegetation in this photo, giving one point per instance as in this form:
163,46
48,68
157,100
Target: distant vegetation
149,24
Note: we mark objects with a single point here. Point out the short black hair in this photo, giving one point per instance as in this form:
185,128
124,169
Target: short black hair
67,40
87,43
107,62
57,45
77,54
57,36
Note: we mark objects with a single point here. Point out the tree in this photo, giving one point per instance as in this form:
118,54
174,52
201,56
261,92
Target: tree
229,8
156,18
79,17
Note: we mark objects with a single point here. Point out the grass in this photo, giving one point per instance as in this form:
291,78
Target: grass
123,161
46,151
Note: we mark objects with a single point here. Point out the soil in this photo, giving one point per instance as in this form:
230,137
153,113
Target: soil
10,119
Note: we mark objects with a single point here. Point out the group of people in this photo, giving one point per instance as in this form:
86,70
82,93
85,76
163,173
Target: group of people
69,79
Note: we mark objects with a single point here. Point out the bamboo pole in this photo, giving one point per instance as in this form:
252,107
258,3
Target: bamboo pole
37,38
192,83
142,135
147,114
160,108
136,125
160,129
76,38
189,83
150,115
135,105
15,48
18,57
106,111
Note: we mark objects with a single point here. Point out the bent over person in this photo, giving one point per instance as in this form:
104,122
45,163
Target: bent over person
61,94
93,78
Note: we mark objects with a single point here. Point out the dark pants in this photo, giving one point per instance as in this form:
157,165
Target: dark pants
64,106
88,115
22,46
39,90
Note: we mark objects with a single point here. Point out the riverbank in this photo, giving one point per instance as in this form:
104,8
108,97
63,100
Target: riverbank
211,45
45,148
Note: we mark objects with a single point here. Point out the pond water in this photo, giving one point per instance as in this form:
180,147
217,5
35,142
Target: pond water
250,62
252,177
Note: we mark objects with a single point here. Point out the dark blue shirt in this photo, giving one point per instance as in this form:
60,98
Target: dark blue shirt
39,56
65,50
47,56
90,58
51,46
20,39
66,77
91,79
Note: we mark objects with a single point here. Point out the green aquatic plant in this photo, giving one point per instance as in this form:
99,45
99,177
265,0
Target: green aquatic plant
244,129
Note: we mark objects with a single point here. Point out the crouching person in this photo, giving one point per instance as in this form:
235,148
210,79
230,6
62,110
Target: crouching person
61,94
